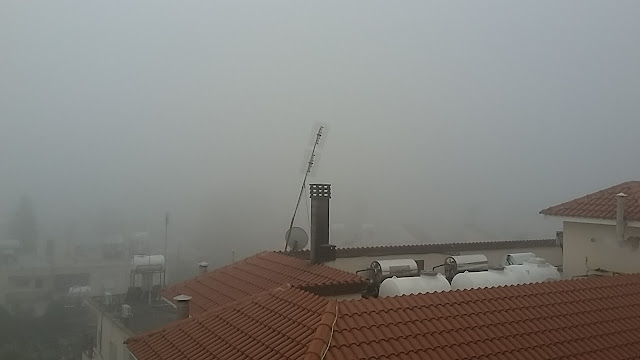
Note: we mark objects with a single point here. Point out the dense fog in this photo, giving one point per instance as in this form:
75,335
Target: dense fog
460,120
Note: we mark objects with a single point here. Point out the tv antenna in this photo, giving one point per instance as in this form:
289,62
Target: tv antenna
318,141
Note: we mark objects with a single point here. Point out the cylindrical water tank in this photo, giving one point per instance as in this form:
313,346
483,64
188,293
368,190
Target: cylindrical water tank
383,269
145,263
461,263
533,271
79,291
539,270
427,282
493,277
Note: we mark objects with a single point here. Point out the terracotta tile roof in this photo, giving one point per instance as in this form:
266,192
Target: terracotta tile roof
590,318
263,271
277,324
593,318
601,204
431,248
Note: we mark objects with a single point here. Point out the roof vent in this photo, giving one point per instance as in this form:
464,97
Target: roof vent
203,266
182,305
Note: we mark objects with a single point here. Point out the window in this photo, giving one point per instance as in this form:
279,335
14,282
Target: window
19,281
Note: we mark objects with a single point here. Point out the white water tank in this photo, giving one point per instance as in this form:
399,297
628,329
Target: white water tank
127,311
495,276
518,258
147,263
383,269
79,291
427,282
535,270
460,263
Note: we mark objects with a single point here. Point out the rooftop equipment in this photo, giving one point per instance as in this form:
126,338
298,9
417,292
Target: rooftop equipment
427,282
79,291
296,238
146,267
383,269
518,258
533,271
454,265
147,263
127,311
495,276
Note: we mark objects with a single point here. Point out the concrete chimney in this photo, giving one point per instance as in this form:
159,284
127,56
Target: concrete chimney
321,250
182,306
203,267
621,200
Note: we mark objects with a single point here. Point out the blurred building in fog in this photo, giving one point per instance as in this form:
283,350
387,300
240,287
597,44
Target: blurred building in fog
29,281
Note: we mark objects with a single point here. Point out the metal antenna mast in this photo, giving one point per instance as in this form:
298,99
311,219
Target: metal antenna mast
304,182
166,230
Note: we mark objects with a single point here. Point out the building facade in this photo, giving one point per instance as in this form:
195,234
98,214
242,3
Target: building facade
601,231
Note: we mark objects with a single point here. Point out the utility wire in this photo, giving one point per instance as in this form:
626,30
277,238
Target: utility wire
331,334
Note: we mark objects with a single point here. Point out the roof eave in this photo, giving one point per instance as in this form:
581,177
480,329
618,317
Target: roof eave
587,220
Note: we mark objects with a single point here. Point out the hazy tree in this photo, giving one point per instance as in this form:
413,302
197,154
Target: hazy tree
23,226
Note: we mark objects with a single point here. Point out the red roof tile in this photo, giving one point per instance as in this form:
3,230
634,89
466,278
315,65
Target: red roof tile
264,271
276,324
595,318
591,318
601,204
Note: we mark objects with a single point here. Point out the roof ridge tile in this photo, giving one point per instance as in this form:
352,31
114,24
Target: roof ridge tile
320,339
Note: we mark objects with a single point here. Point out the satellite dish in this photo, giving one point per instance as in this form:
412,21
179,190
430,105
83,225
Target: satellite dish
298,239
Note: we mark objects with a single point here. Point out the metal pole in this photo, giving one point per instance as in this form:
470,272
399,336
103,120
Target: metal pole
166,228
304,181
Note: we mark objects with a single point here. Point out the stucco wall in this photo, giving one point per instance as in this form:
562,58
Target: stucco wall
495,256
111,336
592,246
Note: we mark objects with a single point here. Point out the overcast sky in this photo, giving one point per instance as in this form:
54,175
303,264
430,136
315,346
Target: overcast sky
466,118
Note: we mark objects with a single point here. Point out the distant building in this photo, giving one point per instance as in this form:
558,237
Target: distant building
28,284
119,317
601,231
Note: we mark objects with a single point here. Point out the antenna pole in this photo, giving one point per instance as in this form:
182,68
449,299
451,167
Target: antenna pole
166,228
304,182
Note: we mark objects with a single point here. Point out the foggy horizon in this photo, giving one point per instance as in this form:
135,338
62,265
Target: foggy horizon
465,119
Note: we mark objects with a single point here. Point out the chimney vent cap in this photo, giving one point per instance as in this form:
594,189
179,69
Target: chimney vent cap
319,191
182,298
621,194
203,264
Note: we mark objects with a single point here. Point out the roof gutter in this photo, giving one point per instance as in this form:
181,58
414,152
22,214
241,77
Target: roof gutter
584,220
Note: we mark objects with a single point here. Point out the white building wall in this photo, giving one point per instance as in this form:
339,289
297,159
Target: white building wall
589,246
111,334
